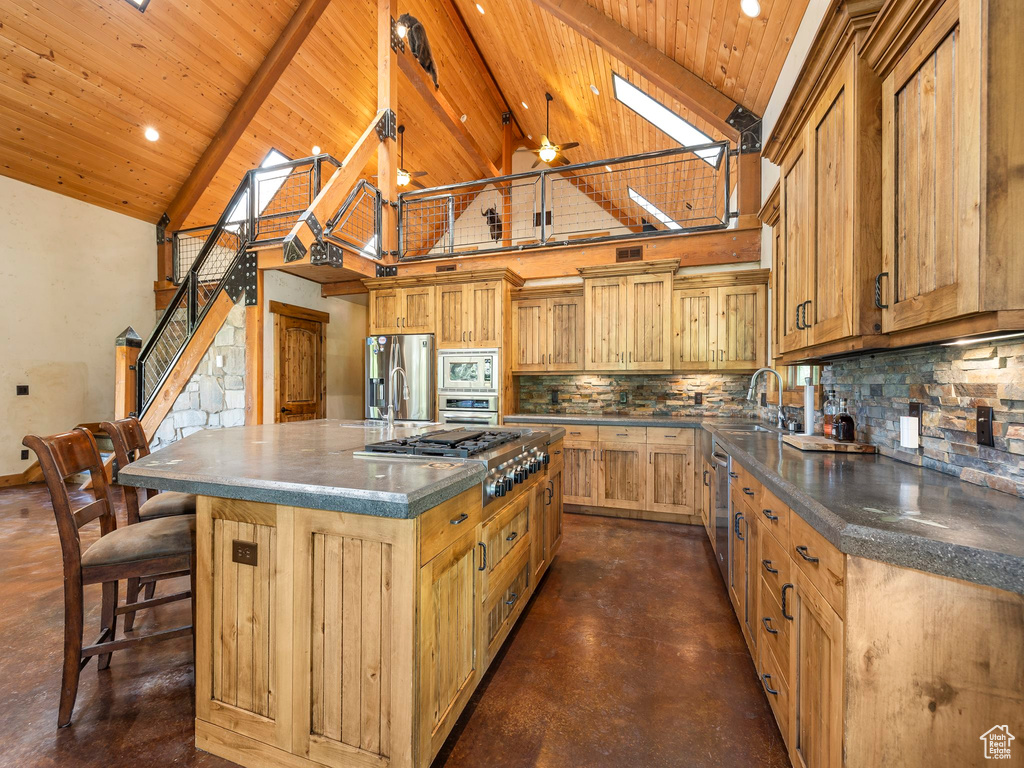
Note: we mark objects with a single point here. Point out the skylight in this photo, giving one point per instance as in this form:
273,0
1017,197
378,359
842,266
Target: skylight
140,4
652,209
267,185
664,119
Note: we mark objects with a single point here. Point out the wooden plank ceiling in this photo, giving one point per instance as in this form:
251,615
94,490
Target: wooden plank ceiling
80,79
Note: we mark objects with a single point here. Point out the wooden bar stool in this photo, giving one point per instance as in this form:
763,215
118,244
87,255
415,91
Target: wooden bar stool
161,546
130,444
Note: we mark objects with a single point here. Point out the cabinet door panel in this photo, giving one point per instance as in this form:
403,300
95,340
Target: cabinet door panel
565,334
605,316
451,317
621,475
670,475
553,518
696,329
417,310
384,311
741,328
580,473
649,322
530,335
483,316
796,218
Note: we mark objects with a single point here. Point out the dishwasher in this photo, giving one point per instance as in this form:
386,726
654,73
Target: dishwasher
721,463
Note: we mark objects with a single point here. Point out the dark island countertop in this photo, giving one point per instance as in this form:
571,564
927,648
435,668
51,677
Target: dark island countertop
623,420
309,464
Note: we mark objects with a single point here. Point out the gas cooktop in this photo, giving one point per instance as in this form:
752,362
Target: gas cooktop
454,443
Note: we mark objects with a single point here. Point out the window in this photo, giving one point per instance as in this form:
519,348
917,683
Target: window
665,119
267,185
652,209
140,4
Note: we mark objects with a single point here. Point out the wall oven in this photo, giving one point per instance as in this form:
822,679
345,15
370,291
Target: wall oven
468,408
468,370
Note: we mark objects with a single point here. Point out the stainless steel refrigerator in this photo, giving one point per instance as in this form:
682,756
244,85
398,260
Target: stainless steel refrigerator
414,393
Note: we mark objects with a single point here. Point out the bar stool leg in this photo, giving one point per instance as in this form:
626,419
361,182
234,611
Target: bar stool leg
108,619
131,596
73,629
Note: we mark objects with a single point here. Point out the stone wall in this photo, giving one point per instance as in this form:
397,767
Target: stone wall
215,395
950,382
645,394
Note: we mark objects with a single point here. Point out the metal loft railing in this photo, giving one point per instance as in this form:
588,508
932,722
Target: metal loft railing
657,193
207,260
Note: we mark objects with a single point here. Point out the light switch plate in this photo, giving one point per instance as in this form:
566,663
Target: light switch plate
220,361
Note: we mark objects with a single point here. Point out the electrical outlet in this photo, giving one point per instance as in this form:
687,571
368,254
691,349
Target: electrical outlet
986,434
698,398
24,455
914,410
554,397
623,398
244,552
21,389
764,399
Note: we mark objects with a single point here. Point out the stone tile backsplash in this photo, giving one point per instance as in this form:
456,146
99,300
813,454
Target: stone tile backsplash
950,382
645,395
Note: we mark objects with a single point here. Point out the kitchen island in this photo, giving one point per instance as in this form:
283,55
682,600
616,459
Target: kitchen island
348,604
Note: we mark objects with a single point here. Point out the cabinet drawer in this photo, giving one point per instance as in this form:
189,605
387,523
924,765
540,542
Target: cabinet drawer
622,434
773,562
774,628
745,487
446,522
774,517
774,685
823,564
556,454
507,530
574,432
506,600
669,436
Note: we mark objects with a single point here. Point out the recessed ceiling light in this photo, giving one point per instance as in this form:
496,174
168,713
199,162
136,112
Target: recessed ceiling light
529,136
152,134
480,8
316,150
751,7
525,105
463,118
608,168
594,89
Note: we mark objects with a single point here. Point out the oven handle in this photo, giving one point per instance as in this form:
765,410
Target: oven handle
465,420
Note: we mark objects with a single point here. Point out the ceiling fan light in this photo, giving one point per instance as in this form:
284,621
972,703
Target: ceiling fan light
751,8
548,153
403,178
316,149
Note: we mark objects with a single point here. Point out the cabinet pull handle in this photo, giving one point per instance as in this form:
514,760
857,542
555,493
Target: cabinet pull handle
551,493
733,475
878,290
705,476
460,519
784,614
470,335
769,515
766,679
798,326
767,622
512,536
463,335
736,526
748,492
483,563
768,566
512,600
622,434
807,303
802,551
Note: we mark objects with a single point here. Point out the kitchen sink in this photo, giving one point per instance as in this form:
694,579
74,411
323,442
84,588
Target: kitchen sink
746,428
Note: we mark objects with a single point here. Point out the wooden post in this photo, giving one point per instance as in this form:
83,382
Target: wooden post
506,169
387,150
254,355
748,186
126,354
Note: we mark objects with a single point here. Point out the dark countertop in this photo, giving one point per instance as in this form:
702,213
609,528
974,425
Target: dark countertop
306,464
622,420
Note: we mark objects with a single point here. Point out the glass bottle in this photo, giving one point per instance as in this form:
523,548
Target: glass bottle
830,409
844,428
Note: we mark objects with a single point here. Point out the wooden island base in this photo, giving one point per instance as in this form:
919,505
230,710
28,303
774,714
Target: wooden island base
336,639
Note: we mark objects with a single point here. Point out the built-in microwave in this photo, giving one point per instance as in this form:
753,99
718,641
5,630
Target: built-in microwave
468,370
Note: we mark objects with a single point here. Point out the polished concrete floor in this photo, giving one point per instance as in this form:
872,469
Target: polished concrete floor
628,655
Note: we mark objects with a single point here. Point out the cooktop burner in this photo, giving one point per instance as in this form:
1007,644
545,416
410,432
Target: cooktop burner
456,443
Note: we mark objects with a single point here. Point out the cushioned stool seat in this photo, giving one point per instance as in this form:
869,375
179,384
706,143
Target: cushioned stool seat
147,540
168,504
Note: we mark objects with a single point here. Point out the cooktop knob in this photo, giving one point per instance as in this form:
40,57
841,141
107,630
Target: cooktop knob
545,459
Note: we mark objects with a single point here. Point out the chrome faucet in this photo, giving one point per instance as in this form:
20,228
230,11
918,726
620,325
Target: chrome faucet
395,366
750,392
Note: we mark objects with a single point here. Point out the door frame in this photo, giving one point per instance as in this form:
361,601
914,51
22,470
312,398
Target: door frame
280,309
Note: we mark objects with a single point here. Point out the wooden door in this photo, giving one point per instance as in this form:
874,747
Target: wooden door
605,317
742,316
670,474
621,475
416,310
299,369
552,493
483,315
818,686
795,222
649,322
565,334
696,329
451,317
384,311
829,314
448,654
580,472
930,175
530,335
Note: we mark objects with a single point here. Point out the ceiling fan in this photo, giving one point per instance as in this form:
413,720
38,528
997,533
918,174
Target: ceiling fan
405,178
548,151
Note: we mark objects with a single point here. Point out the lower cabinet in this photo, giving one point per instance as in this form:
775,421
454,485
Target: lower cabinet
670,479
553,513
621,475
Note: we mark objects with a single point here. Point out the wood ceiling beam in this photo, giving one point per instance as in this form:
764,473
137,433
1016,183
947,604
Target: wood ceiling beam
447,113
252,98
699,96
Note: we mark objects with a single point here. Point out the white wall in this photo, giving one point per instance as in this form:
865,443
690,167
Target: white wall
345,337
72,277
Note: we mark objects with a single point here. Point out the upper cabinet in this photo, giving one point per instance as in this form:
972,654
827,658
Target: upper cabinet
605,313
547,330
402,310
